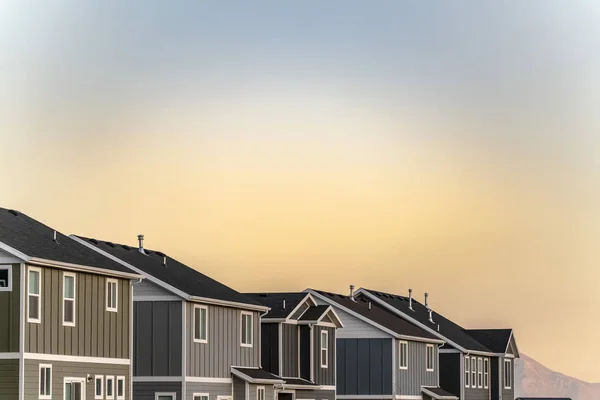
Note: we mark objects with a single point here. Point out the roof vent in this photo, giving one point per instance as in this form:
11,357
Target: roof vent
438,327
94,241
431,315
369,305
13,212
352,292
426,303
164,261
410,299
54,238
263,295
141,244
284,304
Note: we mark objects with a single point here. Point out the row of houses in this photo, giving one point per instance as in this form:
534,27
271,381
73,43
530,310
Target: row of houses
88,319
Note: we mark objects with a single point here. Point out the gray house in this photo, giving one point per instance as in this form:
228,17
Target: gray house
474,364
66,316
194,338
381,355
298,344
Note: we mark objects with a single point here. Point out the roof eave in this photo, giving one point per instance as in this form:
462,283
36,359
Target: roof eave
227,303
83,268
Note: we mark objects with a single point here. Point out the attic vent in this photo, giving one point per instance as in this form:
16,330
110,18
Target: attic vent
13,212
94,241
111,244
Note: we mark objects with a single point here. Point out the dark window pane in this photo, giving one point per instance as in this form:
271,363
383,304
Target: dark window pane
69,305
34,302
4,278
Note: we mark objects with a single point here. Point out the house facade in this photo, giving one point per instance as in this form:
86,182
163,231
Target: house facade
67,331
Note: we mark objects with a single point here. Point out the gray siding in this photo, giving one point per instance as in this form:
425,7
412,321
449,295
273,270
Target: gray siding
508,394
213,389
10,307
269,392
495,378
98,333
355,327
364,366
157,338
270,347
62,369
289,348
301,310
239,389
148,289
315,394
215,358
409,381
450,372
324,376
477,393
9,379
147,390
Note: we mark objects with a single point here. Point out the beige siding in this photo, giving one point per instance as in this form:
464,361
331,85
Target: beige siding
97,332
9,379
10,311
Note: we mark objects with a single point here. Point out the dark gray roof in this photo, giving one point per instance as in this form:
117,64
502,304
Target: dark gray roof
378,314
543,398
175,273
439,392
299,382
313,313
275,302
35,239
447,328
494,339
258,373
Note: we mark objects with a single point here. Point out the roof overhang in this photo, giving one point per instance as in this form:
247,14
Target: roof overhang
436,396
249,379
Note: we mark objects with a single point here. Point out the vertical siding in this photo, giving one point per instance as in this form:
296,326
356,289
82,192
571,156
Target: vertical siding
270,347
450,370
409,381
324,376
305,352
215,358
290,345
478,393
495,378
147,390
97,332
157,338
239,389
508,394
10,311
364,366
355,327
9,379
213,389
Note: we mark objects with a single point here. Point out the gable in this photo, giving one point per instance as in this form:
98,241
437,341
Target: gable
512,347
353,326
6,258
326,318
148,291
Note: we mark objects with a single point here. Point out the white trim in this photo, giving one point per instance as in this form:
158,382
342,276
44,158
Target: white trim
74,299
101,379
323,331
327,387
57,357
449,351
479,373
112,307
509,362
251,344
427,347
47,395
37,320
22,310
69,379
81,268
120,379
408,397
304,300
131,283
400,343
225,397
10,356
157,298
312,353
172,394
486,373
365,396
249,379
9,283
258,389
157,378
202,379
110,378
280,347
436,396
473,372
197,394
205,308
14,252
467,371
184,356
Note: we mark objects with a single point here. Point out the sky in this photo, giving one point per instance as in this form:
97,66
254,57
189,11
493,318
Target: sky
448,147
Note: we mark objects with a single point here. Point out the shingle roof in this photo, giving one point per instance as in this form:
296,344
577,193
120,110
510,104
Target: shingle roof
257,374
438,393
543,398
36,240
378,315
494,339
447,328
275,302
299,382
313,313
175,273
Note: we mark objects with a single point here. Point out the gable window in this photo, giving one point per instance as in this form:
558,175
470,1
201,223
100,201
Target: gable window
200,324
98,387
324,348
507,374
260,393
120,388
467,371
68,299
110,387
5,278
486,372
200,396
403,355
429,358
473,372
480,372
246,329
45,381
112,294
34,299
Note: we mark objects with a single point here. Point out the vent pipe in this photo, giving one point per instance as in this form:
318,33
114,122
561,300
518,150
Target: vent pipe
141,244
431,315
164,261
284,304
352,292
369,305
54,237
410,299
426,303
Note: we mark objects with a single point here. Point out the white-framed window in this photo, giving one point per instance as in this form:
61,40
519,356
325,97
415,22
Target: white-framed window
473,372
45,383
34,298
112,294
99,387
5,278
200,396
110,387
165,396
260,393
120,388
200,324
69,282
246,328
429,358
324,349
467,372
507,374
486,373
403,354
480,372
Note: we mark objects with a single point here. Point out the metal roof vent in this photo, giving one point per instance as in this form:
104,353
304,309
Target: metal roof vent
284,304
352,292
410,300
164,261
426,303
141,244
431,315
54,239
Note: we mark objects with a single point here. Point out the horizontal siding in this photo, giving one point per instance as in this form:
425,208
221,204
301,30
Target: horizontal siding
269,392
315,394
9,379
148,390
10,309
148,290
239,389
409,381
354,327
213,389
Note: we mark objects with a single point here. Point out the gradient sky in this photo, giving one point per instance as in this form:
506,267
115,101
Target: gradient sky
451,147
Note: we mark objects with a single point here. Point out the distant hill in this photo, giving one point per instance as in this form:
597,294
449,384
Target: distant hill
535,380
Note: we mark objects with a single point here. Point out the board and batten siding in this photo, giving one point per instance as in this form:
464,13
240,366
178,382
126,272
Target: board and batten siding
9,379
157,338
322,375
97,332
213,389
364,366
450,372
508,394
289,347
270,347
477,393
223,348
10,311
409,381
301,310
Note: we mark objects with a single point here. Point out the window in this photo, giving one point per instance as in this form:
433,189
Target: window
5,278
429,358
200,324
473,372
112,293
98,387
486,373
165,396
324,348
467,371
200,396
403,355
120,388
260,393
507,374
34,298
68,299
246,329
479,372
110,387
45,381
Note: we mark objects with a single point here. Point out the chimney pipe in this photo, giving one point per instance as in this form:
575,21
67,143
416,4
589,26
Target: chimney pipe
284,304
410,299
141,244
431,315
426,304
352,292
